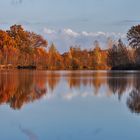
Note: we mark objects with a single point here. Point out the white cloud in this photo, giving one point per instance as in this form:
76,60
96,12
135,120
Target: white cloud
48,31
85,33
70,32
65,38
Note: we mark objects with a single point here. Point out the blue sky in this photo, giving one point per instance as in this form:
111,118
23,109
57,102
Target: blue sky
115,16
89,15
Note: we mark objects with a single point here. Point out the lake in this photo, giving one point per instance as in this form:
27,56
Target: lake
69,105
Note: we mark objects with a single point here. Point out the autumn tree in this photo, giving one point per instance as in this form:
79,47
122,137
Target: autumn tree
66,60
96,55
38,44
7,49
26,42
40,58
78,57
54,58
84,59
37,41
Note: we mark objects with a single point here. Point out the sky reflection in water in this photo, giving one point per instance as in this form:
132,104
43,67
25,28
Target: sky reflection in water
72,105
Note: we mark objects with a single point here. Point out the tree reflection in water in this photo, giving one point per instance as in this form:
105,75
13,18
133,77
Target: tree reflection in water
18,88
118,83
121,82
133,101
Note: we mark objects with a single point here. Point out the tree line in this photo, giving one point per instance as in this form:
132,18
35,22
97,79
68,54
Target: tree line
24,49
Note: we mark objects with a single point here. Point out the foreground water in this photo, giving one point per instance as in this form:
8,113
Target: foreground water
69,105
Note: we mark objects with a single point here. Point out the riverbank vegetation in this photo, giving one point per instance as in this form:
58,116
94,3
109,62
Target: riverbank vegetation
27,50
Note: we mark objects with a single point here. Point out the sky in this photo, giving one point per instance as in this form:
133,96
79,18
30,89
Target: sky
63,18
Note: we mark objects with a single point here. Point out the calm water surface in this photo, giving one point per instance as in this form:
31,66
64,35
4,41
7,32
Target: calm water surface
69,105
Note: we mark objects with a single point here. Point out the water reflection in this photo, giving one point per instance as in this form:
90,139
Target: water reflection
28,133
18,88
133,101
128,83
118,83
